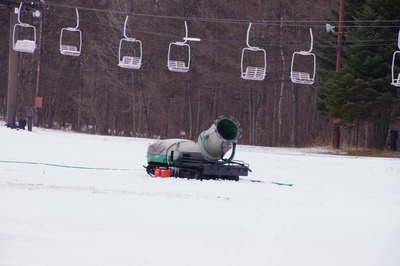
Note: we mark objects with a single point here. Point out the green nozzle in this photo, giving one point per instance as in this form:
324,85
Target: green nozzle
227,129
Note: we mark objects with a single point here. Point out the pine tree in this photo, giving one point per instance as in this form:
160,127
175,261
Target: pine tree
360,92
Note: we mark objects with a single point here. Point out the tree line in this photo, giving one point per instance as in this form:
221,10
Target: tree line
91,93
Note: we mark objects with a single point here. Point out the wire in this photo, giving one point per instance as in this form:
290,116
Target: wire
287,23
67,166
268,42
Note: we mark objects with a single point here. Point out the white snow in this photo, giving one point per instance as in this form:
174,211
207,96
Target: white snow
75,199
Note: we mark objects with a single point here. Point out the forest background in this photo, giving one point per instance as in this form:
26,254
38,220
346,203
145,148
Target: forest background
90,93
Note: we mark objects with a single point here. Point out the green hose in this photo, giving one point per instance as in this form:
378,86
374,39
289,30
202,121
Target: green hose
66,166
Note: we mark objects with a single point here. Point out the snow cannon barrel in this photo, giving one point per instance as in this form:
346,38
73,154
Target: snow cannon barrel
216,141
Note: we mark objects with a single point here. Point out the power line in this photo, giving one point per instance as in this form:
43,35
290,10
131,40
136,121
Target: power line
263,41
287,23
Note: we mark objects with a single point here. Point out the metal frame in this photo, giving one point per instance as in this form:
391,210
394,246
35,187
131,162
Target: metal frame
300,77
180,65
129,61
71,50
26,45
396,75
253,72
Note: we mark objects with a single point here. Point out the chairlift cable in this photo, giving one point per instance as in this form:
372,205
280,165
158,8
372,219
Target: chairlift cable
287,23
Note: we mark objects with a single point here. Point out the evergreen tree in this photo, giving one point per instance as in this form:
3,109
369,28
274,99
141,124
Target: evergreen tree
361,92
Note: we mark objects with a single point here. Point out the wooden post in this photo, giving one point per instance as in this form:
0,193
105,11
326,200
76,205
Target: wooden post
12,73
336,125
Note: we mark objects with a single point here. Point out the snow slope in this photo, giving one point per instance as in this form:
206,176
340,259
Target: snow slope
75,199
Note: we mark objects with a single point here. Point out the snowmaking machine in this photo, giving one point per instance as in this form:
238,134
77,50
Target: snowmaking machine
203,159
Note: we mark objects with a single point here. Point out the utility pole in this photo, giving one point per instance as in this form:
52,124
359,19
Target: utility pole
12,73
38,99
336,121
340,37
12,91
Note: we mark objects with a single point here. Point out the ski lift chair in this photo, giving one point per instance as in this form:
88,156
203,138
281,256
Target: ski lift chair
396,75
253,72
74,49
180,65
301,77
25,45
129,61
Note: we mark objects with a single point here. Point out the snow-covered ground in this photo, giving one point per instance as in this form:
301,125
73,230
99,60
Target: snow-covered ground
75,199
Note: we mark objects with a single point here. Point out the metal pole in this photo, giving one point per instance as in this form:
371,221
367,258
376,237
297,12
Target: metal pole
38,70
336,121
12,74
